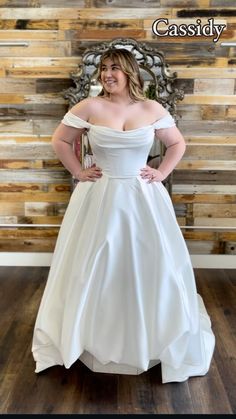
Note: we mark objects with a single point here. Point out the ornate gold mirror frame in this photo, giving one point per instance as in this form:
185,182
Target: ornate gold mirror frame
159,84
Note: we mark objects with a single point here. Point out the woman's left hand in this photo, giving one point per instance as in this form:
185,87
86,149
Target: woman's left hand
153,175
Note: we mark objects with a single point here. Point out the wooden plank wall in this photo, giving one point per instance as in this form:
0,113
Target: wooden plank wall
35,188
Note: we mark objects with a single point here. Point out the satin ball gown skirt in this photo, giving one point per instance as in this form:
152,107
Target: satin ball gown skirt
121,287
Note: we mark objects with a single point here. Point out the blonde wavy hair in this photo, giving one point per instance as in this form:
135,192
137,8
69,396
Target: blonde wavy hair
129,66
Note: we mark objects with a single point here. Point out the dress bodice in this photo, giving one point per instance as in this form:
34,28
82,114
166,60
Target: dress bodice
119,153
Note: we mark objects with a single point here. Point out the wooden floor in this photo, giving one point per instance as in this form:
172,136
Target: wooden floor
78,390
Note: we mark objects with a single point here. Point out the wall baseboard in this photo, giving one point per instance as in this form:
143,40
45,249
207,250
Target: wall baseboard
44,259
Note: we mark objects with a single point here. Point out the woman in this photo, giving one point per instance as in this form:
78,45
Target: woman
121,286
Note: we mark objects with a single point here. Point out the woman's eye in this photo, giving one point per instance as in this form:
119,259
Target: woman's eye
112,68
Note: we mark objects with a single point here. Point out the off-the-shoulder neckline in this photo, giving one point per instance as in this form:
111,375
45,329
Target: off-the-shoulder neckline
117,130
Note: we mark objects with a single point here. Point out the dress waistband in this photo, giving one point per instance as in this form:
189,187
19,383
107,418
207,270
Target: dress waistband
120,176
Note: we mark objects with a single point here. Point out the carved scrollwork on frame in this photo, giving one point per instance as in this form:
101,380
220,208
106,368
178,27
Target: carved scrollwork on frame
151,61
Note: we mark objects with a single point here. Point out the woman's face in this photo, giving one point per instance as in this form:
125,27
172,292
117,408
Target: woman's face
113,79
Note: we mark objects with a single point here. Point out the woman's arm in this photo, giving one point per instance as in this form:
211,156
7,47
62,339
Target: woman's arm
175,148
62,142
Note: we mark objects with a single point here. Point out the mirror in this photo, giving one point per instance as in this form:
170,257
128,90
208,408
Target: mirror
158,85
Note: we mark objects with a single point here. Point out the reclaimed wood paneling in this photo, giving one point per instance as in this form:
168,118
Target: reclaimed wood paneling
186,3
34,186
29,35
85,13
208,86
42,3
38,67
23,24
9,86
202,72
207,12
83,24
39,48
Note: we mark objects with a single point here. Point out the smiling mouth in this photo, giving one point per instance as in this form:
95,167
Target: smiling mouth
110,83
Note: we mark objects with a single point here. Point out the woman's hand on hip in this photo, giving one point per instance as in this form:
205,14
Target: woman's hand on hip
91,174
151,174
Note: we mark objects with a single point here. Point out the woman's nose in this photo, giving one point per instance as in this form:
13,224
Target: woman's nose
108,72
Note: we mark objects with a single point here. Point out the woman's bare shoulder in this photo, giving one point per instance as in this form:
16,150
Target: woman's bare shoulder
85,107
155,107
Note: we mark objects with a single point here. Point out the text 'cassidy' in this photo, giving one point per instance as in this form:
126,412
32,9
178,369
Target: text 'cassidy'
193,29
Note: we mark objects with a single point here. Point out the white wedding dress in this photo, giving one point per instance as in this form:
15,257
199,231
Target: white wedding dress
121,286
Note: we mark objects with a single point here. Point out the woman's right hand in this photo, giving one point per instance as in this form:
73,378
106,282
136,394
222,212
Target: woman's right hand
91,174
